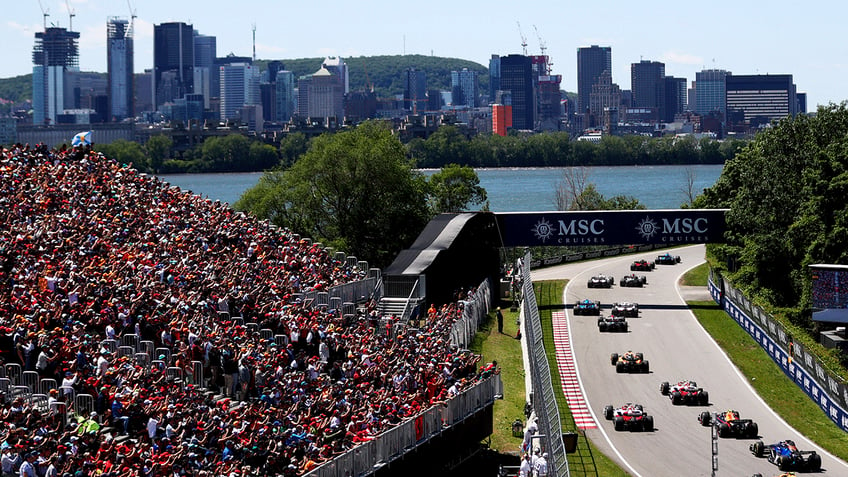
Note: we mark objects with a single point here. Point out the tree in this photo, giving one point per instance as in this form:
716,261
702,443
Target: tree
456,188
158,149
126,152
353,190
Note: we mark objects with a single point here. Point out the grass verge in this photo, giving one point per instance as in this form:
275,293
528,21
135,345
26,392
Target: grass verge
587,461
777,390
506,350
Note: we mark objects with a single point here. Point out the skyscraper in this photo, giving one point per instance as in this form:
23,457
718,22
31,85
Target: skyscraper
173,61
338,68
56,53
760,99
285,96
119,53
464,88
239,87
592,61
415,91
517,78
205,79
648,86
675,97
494,77
605,95
710,91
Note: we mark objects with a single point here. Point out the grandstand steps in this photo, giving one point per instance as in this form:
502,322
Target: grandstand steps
391,306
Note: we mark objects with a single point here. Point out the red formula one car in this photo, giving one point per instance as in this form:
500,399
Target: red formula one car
685,392
629,362
729,424
642,266
631,417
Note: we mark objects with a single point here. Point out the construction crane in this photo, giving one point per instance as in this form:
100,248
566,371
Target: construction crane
45,13
543,46
71,15
133,16
523,39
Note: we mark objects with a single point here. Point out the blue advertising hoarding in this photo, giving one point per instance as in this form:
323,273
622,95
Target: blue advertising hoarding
666,227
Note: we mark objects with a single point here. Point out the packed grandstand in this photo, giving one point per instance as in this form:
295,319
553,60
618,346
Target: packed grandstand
184,323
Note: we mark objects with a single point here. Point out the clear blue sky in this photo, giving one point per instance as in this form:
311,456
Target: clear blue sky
805,39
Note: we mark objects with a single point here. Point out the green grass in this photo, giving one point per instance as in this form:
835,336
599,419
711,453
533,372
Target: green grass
777,390
506,350
587,461
696,276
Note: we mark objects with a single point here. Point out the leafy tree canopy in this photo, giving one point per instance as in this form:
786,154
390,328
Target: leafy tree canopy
354,190
456,189
786,193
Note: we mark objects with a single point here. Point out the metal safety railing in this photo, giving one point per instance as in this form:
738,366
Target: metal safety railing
544,399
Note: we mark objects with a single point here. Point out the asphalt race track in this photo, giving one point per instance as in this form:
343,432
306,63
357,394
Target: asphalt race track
677,348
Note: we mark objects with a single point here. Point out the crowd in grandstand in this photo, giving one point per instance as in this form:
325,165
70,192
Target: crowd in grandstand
92,252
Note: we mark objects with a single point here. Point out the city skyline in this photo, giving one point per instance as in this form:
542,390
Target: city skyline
745,39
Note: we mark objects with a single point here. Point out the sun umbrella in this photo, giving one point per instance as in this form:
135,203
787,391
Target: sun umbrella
82,139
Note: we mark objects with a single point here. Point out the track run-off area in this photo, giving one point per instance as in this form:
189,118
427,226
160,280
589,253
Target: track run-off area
678,348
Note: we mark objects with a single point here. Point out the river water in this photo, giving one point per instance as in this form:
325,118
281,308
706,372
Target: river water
527,189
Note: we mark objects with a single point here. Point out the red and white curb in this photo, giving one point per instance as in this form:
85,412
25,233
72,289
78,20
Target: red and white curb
568,374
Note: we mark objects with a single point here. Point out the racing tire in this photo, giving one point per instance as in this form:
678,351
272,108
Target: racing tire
704,398
614,358
648,424
646,367
608,410
783,463
705,418
618,423
814,462
624,328
640,357
757,475
632,268
664,388
753,430
643,280
619,368
724,430
676,398
758,448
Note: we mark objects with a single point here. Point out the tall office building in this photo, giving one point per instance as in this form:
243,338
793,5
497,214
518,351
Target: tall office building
56,53
605,95
548,95
760,99
326,95
710,91
494,77
119,55
285,96
338,68
675,97
205,70
415,91
173,61
592,61
517,78
647,83
464,88
239,87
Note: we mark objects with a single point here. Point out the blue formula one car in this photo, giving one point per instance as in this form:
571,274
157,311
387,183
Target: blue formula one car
587,307
786,456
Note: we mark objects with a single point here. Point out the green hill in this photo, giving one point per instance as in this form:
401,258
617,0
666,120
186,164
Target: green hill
385,73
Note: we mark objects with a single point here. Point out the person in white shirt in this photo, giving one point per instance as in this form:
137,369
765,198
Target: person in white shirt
541,467
526,469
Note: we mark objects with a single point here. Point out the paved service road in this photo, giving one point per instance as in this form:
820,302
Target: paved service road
677,348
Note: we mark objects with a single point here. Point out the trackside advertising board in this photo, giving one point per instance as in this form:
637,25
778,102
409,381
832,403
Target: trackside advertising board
808,373
620,227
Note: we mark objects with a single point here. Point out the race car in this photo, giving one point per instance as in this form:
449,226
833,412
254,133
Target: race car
612,323
642,266
629,362
601,281
785,474
626,309
587,307
667,259
729,424
633,281
685,392
786,456
631,417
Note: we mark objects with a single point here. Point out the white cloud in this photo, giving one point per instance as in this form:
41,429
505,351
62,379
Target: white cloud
26,30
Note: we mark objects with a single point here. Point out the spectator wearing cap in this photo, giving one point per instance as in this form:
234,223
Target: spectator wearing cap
9,460
28,465
541,466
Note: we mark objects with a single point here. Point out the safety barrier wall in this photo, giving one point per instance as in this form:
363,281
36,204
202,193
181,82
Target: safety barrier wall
609,252
544,399
370,456
805,369
348,292
474,313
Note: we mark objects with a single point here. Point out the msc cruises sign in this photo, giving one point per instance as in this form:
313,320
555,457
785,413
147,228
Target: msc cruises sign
669,227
